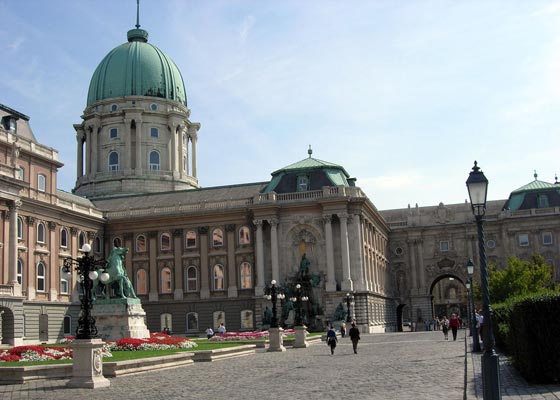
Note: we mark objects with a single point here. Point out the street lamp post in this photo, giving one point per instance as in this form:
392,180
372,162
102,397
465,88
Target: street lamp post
87,366
474,332
274,293
477,185
299,327
349,302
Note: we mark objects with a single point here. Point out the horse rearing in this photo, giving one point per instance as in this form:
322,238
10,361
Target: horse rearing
117,274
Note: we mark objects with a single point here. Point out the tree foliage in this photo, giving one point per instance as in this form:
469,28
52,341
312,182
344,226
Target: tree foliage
520,278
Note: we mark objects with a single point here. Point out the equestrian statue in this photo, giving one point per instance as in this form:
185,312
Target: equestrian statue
114,273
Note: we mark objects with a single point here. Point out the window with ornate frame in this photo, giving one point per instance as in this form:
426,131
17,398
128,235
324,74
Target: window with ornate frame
141,282
246,276
192,322
218,277
244,235
190,239
523,239
41,233
217,237
547,238
165,242
140,244
113,161
81,240
19,272
154,132
302,183
41,183
41,277
154,161
20,228
444,246
63,237
113,133
191,279
166,280
64,284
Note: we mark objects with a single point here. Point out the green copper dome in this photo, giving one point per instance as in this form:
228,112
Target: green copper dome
137,68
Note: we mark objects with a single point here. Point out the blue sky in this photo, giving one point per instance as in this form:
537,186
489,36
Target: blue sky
404,94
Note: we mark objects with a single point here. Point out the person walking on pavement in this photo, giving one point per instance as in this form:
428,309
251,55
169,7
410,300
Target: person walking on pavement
445,327
454,323
342,329
354,334
331,339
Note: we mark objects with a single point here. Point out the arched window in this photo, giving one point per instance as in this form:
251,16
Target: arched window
20,228
165,242
218,317
63,282
81,240
41,277
141,282
97,245
20,174
217,237
190,239
244,237
19,273
154,160
246,276
41,233
192,322
113,161
246,319
191,279
41,183
67,330
218,274
114,107
166,281
140,243
64,238
166,321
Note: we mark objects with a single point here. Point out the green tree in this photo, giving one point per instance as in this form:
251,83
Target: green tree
520,278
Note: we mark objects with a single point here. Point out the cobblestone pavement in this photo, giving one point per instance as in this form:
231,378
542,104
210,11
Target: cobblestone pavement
419,365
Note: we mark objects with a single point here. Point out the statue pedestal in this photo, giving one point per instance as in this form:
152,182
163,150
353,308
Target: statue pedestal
87,365
120,318
276,341
301,335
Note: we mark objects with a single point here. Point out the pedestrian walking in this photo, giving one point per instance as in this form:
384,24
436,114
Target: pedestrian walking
343,329
445,327
331,339
454,324
354,334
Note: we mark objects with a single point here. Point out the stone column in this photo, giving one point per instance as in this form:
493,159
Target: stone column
74,253
153,294
178,264
412,258
259,288
232,267
330,285
173,151
94,149
204,284
194,140
80,153
347,284
53,275
181,155
13,243
127,159
88,150
357,266
31,264
138,169
421,266
274,249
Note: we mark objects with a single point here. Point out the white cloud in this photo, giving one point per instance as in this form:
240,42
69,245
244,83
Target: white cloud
246,27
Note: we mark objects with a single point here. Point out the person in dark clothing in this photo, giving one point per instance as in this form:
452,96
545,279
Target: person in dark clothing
331,339
354,334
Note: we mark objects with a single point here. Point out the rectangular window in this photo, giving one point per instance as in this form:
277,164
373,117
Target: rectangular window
547,238
154,132
113,133
444,246
523,239
302,183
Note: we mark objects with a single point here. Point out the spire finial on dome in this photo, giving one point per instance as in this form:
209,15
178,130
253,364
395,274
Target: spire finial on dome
309,151
137,14
535,174
556,179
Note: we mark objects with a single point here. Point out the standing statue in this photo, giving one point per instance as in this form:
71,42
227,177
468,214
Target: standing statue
339,313
304,265
267,317
117,274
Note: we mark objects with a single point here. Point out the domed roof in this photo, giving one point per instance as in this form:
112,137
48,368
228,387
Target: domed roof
137,68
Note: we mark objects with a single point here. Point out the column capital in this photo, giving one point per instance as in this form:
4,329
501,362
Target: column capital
273,222
177,232
343,215
258,223
230,228
203,230
327,218
30,220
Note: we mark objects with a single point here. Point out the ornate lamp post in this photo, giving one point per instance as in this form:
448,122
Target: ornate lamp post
349,302
87,366
274,293
301,332
477,185
470,287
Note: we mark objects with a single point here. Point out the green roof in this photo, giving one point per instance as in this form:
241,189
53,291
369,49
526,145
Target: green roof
310,163
536,185
137,68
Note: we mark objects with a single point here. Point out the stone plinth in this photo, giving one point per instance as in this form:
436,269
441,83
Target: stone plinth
276,341
301,336
119,318
87,365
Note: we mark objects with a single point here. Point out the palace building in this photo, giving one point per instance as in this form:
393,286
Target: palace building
201,256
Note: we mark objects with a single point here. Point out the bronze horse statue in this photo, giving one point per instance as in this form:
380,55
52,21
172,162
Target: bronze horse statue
117,275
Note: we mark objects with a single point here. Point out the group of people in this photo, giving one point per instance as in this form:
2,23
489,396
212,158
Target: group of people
210,331
353,333
454,323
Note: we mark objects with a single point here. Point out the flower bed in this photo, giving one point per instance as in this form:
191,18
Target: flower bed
254,335
159,341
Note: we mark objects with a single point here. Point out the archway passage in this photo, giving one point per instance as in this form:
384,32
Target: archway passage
449,295
8,324
400,317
